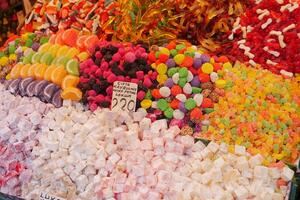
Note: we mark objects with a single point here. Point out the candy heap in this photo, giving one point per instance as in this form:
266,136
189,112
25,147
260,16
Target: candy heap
17,48
52,67
269,34
120,156
19,124
88,16
112,62
264,116
188,83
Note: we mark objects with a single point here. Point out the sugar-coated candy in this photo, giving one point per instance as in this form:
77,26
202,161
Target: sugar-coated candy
207,68
169,83
181,97
169,113
187,89
220,83
190,104
183,72
175,78
170,63
176,90
214,77
182,82
162,104
198,99
179,59
161,68
178,114
146,103
165,91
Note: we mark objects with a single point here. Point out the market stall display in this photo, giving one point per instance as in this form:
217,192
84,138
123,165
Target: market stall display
209,121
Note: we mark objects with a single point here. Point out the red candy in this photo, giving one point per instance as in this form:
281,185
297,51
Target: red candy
175,90
207,103
187,62
204,78
163,58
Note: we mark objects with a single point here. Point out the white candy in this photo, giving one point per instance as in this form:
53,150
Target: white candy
287,174
190,76
187,89
164,91
214,77
175,78
181,97
177,114
199,99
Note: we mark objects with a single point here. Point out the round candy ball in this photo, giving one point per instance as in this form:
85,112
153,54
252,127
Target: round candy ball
162,104
190,104
177,114
169,113
165,91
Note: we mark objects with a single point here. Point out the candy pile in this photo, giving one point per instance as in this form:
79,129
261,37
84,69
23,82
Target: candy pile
52,67
112,62
19,124
128,157
264,116
16,48
188,83
269,34
88,16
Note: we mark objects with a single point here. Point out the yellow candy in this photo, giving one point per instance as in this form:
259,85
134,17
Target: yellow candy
153,65
12,57
164,50
227,65
207,68
146,103
3,61
162,68
179,59
220,83
191,49
7,77
161,78
212,60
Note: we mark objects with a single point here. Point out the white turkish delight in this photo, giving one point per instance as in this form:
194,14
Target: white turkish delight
239,150
287,174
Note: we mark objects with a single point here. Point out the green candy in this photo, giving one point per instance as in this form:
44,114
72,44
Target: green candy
173,52
44,40
17,41
183,72
276,148
11,49
148,95
1,54
208,110
196,90
190,104
157,54
182,82
172,71
169,113
180,46
28,43
190,54
31,36
162,104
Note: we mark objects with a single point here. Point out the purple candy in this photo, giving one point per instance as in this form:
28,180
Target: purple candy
195,82
176,122
197,63
198,128
205,58
170,63
35,46
169,83
182,107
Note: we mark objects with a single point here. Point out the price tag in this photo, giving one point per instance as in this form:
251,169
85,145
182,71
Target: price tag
47,196
124,96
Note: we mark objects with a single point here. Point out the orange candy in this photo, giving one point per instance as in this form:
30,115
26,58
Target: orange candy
24,71
196,114
70,81
207,103
171,45
174,104
176,89
15,72
40,71
155,93
187,62
217,66
81,42
58,75
48,72
90,41
71,93
31,70
223,59
69,37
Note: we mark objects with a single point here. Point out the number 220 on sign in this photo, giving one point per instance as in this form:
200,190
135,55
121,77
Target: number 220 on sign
124,96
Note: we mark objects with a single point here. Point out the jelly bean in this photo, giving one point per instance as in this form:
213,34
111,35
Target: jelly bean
214,77
182,82
190,104
146,103
187,62
162,68
195,82
181,97
172,71
169,113
170,63
165,91
161,78
196,114
175,78
162,104
156,94
175,90
174,104
207,68
178,114
220,83
169,83
179,59
187,89
198,99
207,103
183,72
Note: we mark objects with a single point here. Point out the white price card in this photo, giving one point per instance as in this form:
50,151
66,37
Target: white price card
47,196
124,96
